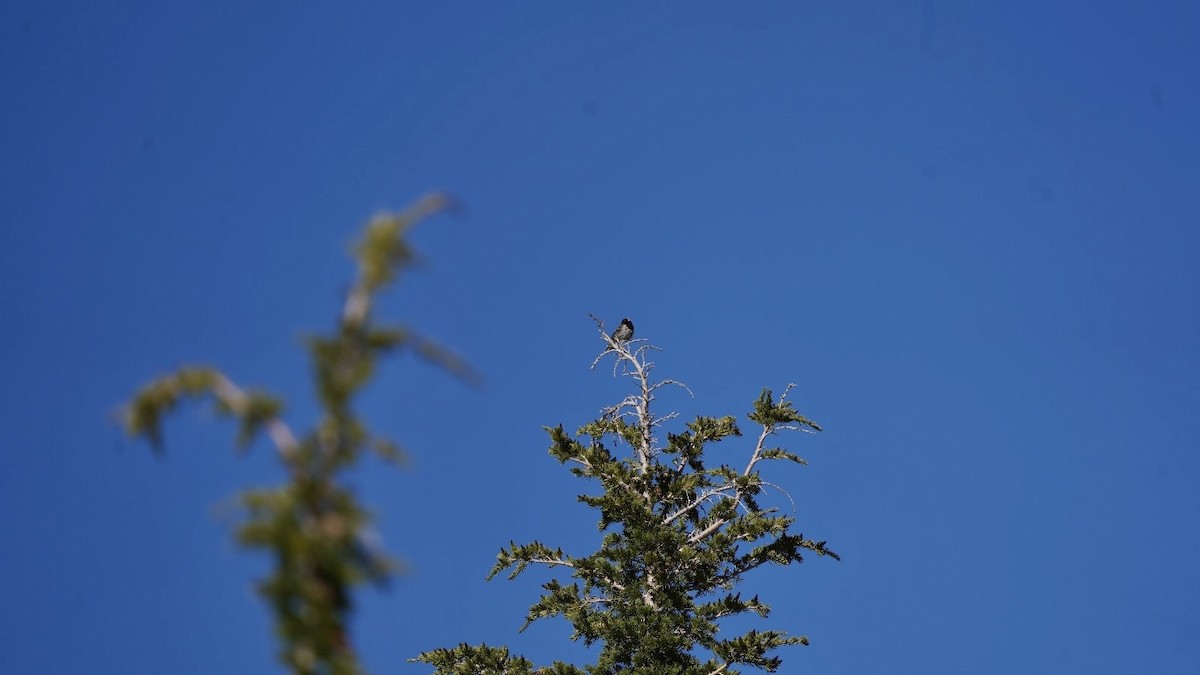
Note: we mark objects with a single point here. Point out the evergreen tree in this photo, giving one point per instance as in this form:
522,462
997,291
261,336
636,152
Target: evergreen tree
314,525
680,533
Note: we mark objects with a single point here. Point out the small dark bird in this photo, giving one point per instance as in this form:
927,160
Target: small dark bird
624,332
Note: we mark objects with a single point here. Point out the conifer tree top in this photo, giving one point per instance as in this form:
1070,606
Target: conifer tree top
679,533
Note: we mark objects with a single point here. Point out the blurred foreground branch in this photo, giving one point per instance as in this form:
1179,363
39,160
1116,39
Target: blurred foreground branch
314,526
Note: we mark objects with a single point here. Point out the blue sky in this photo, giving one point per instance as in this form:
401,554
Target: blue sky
966,231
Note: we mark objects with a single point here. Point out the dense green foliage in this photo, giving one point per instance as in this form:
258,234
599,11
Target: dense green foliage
679,535
314,525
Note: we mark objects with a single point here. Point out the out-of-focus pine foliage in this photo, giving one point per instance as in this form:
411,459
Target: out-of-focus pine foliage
680,533
314,527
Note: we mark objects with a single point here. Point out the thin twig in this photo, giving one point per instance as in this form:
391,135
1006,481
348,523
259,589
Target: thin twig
239,402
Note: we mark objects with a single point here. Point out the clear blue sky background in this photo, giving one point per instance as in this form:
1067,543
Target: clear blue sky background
966,230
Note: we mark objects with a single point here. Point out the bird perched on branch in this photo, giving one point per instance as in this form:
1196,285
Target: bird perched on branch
624,332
